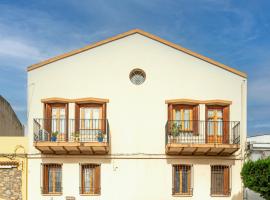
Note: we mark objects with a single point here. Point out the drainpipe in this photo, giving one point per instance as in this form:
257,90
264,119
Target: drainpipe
243,126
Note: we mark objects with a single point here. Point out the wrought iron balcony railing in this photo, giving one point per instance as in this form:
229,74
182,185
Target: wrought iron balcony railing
71,130
202,132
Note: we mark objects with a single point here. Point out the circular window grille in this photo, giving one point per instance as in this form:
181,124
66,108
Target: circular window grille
137,76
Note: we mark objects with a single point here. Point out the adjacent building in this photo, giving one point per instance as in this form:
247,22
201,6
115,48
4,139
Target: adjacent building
135,117
10,125
13,155
258,147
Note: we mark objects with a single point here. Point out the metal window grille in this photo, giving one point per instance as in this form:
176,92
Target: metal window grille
137,76
220,180
182,182
51,178
90,179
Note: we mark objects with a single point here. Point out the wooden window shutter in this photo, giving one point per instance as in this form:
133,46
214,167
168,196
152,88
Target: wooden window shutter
173,179
189,178
103,118
47,117
226,184
97,180
45,186
66,121
206,123
170,112
196,120
226,124
80,178
100,120
77,117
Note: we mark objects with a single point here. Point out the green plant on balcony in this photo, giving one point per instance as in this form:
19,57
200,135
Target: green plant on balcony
175,129
76,136
54,136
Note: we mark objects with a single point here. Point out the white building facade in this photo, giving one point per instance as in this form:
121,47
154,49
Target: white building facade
135,117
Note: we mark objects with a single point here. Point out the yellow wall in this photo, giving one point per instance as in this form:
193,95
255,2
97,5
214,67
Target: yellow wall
15,149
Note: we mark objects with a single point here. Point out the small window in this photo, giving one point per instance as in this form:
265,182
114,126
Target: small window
220,180
52,179
137,76
182,180
90,179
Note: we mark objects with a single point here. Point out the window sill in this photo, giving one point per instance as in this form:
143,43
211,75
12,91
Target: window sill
220,195
182,195
53,194
90,194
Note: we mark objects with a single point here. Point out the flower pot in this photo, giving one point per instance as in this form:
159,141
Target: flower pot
53,138
100,139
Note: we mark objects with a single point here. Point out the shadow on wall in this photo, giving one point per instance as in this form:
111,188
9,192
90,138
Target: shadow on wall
74,160
198,161
238,196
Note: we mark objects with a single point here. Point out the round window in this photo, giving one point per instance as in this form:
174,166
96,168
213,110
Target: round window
137,76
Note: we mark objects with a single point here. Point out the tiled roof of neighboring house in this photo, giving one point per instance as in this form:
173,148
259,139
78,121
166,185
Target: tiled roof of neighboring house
146,34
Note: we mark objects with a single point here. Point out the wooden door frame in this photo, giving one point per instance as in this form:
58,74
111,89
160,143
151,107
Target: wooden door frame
225,118
87,105
47,115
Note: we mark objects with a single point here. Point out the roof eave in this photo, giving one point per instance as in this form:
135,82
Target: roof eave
146,34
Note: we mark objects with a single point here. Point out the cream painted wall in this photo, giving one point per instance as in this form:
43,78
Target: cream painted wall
136,114
136,178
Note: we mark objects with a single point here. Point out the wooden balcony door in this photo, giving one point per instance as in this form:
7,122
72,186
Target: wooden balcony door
56,116
90,118
90,121
217,124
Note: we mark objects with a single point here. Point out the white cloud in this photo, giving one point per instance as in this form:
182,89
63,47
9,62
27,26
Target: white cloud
262,125
16,48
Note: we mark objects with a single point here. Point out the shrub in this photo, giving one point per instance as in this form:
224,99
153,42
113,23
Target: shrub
256,176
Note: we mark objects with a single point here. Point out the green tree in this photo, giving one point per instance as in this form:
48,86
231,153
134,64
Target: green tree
256,176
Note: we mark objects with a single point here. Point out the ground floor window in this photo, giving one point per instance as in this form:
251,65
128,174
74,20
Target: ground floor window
52,179
90,179
220,180
182,180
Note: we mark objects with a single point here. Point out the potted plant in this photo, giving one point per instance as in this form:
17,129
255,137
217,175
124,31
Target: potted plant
100,135
76,136
175,131
54,136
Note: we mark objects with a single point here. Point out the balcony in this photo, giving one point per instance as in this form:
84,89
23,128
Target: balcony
210,138
72,136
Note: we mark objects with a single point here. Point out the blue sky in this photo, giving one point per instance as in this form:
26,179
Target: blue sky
235,33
